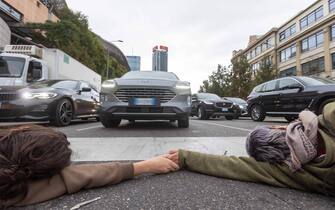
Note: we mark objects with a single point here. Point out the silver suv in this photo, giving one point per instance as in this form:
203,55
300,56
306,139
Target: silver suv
145,95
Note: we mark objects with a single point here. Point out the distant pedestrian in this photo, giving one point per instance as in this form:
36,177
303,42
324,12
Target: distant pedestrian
35,166
299,156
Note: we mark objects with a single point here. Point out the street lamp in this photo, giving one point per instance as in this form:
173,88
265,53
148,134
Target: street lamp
107,57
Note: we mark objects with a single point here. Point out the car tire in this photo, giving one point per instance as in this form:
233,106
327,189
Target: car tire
290,118
323,104
63,114
257,113
202,115
109,123
184,123
229,117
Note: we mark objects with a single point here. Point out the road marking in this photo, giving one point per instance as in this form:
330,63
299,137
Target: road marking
141,148
89,128
226,126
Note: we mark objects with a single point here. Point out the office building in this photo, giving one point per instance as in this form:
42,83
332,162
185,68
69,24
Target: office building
160,58
134,63
303,45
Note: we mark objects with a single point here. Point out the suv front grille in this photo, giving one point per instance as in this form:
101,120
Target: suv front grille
224,105
8,96
164,95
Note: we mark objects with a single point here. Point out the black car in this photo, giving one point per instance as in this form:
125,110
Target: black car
207,105
240,104
59,101
286,97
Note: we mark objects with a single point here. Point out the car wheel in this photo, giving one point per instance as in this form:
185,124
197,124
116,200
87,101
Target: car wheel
202,115
229,117
323,104
257,113
109,123
290,118
184,123
63,113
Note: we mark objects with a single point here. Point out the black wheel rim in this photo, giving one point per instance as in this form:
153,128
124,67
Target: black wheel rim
66,112
256,112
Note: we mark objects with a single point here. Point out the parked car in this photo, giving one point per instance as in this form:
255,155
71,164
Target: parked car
240,104
145,95
286,97
59,101
207,105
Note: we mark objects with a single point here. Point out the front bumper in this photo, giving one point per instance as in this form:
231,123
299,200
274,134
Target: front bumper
175,109
214,111
26,109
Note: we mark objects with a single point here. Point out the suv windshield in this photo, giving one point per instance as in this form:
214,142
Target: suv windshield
11,66
314,81
208,96
150,75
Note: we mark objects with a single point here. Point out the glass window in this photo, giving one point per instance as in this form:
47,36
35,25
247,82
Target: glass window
313,67
285,83
303,23
288,72
11,66
270,86
312,42
288,53
333,61
319,38
331,5
311,18
287,33
332,31
319,13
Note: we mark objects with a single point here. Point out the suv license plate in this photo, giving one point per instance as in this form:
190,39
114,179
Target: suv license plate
225,109
144,101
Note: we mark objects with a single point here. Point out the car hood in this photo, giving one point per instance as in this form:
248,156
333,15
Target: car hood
218,101
145,83
22,89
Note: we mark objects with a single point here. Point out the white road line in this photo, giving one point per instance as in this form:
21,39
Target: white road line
89,128
141,148
226,126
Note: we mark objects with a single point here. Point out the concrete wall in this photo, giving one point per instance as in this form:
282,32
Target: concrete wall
4,34
33,11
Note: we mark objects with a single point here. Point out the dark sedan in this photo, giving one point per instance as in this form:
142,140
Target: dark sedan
58,101
207,105
240,104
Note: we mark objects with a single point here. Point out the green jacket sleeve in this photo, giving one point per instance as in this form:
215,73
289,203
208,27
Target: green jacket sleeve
247,169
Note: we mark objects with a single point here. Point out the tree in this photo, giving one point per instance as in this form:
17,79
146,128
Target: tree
266,72
241,81
72,35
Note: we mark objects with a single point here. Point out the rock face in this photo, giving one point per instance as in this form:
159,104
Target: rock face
4,34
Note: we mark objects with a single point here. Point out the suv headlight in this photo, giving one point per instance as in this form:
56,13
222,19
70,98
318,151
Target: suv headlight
208,102
183,88
108,86
41,95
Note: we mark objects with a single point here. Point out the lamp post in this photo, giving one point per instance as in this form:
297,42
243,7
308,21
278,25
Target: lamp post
107,57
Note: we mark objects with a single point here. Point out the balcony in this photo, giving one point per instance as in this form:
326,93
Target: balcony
10,11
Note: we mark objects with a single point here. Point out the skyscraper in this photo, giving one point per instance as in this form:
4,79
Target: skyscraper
134,63
160,58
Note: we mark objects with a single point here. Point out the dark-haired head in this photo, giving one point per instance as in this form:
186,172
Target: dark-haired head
268,145
28,153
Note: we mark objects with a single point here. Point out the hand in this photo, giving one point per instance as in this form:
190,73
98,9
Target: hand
174,156
157,165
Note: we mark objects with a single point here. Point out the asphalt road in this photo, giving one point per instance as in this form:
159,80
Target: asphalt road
180,190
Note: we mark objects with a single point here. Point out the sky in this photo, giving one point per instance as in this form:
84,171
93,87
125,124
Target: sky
200,34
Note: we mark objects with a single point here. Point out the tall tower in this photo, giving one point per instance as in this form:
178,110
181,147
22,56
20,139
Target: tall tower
160,58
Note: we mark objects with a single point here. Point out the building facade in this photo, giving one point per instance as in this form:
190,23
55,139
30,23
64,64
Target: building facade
160,58
134,63
304,45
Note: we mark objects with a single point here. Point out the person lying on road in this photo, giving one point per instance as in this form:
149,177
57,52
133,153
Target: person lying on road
35,166
301,156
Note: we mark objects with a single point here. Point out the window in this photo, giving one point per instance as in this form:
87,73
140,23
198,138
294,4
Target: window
332,32
285,83
287,33
331,5
270,86
313,67
288,72
288,53
333,61
312,42
255,66
311,18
